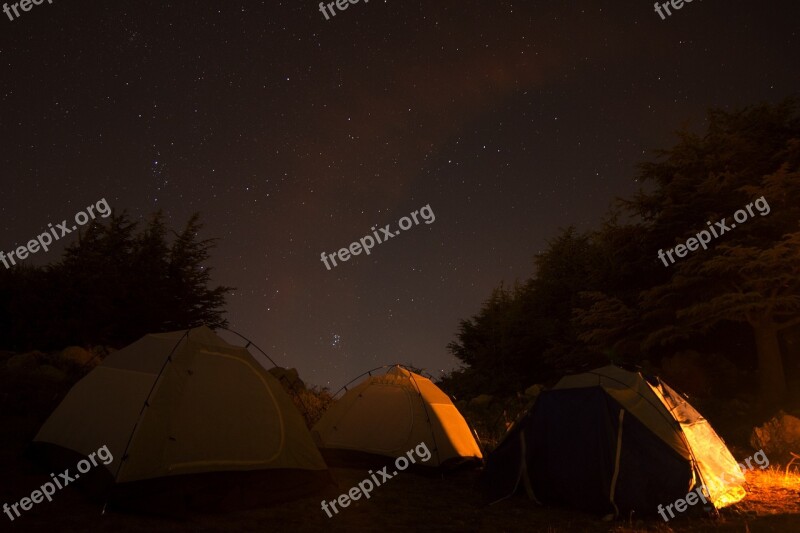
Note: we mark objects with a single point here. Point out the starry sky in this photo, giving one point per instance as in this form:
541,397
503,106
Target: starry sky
294,135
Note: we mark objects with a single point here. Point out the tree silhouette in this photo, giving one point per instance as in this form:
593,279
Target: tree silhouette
751,273
112,286
605,295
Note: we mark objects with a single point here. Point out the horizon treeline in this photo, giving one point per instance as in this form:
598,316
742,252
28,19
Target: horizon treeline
117,282
604,296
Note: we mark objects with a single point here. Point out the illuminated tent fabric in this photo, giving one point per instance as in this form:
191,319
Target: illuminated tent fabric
184,405
610,441
389,415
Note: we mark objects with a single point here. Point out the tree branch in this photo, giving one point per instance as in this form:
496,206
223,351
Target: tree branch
788,324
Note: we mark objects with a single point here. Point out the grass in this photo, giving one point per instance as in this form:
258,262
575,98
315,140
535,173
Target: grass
770,492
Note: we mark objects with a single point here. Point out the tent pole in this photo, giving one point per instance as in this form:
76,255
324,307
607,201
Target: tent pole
146,404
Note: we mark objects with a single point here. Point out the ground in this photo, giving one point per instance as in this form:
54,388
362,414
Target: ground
407,502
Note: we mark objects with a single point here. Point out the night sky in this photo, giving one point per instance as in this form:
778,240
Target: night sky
293,135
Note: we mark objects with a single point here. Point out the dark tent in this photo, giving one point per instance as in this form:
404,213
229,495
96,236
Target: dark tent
610,442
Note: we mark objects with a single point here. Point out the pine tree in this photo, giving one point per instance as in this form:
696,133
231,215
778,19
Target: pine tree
751,274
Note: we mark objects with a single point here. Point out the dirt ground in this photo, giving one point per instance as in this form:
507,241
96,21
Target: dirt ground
407,502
